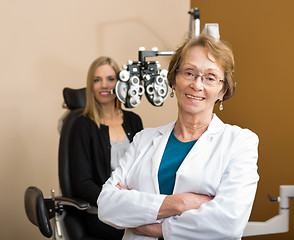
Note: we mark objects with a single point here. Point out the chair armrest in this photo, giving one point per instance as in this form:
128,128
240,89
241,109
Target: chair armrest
75,202
92,210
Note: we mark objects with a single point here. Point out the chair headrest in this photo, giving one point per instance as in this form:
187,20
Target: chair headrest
74,98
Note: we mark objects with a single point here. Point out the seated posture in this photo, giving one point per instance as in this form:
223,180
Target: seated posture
100,137
196,177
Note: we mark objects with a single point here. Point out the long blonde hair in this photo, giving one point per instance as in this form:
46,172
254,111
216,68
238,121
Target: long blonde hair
93,108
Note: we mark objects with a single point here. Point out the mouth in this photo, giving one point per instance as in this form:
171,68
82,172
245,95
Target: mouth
105,93
194,97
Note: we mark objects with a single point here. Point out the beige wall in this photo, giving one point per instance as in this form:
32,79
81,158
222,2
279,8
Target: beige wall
262,36
48,45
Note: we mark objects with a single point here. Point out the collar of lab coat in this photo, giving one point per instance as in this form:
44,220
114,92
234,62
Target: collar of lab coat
215,126
159,143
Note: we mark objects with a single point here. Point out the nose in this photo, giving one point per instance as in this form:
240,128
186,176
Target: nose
104,83
198,82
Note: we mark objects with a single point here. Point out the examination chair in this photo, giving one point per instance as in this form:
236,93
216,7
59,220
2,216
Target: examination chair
67,212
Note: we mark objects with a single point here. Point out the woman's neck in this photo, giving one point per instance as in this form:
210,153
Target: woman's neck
113,118
190,127
109,114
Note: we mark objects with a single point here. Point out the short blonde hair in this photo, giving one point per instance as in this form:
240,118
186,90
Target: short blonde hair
93,107
221,52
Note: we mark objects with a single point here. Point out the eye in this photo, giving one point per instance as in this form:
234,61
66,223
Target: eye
188,73
111,79
210,77
96,80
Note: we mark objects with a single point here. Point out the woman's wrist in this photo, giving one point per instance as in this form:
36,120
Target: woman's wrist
171,206
176,204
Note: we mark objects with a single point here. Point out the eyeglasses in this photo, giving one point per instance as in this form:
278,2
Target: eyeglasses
208,79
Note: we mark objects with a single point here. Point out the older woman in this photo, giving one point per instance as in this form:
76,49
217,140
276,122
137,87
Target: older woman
194,178
100,136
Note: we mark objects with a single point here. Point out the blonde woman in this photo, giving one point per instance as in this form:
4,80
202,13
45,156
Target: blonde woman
100,138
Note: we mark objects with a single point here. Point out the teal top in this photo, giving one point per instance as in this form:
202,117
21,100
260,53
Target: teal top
173,156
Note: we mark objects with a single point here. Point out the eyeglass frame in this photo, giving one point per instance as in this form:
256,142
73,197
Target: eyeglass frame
201,77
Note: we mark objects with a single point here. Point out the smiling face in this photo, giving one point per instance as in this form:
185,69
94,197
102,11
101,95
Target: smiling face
193,96
104,80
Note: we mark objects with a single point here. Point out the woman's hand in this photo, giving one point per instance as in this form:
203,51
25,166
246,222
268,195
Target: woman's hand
178,203
190,201
150,230
121,187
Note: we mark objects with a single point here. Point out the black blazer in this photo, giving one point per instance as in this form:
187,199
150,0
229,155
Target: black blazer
90,154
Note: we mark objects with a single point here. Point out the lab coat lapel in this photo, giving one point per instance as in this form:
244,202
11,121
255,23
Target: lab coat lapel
159,144
204,142
201,145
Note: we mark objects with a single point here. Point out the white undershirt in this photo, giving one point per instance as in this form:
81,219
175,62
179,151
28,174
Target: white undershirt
118,150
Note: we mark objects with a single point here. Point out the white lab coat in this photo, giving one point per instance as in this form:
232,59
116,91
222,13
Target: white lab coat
222,163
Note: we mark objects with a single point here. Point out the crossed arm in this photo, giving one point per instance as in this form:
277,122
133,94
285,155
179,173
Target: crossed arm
172,205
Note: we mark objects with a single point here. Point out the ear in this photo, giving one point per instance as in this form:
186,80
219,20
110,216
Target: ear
221,95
